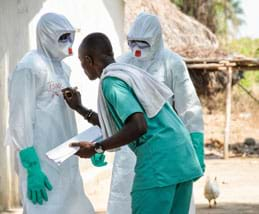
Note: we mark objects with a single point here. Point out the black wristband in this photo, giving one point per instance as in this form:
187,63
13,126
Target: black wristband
89,114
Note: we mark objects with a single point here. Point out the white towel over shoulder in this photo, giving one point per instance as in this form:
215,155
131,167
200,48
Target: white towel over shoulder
150,93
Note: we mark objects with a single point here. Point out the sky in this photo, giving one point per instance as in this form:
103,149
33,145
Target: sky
251,17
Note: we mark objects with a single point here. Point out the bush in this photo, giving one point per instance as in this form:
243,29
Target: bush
250,78
245,46
250,48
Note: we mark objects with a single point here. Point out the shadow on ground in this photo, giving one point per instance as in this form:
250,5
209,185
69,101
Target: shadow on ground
229,208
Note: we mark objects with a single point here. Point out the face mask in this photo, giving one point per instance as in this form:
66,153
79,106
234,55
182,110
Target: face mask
140,53
65,45
140,50
66,49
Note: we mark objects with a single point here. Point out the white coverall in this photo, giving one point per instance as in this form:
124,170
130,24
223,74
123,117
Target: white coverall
169,68
39,117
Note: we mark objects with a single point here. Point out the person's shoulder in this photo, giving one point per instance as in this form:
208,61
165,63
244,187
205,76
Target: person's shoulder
173,57
66,69
66,66
110,83
32,61
124,58
114,88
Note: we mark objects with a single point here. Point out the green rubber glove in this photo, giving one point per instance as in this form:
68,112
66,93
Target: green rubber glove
198,143
37,181
98,160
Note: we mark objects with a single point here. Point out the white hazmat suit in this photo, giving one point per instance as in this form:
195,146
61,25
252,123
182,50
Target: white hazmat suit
169,68
40,119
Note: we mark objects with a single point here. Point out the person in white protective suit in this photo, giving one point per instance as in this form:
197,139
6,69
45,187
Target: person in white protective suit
148,52
41,120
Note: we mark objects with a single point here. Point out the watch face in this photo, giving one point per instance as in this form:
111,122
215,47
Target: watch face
98,148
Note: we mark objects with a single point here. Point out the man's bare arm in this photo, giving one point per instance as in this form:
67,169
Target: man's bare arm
73,99
89,115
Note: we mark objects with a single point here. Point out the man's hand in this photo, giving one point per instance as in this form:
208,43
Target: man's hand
72,97
86,149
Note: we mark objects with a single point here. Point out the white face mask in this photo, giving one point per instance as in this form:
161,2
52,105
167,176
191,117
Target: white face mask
140,53
140,50
65,46
66,49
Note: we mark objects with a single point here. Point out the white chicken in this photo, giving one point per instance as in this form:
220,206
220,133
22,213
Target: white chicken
211,190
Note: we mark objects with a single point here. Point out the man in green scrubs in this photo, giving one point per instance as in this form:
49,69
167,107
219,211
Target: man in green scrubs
166,160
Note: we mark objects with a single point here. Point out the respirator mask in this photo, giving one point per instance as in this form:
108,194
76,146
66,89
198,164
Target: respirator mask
140,49
65,43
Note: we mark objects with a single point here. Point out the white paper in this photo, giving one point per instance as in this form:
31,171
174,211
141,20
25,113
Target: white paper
64,151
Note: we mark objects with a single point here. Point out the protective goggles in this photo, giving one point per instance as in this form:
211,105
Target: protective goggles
65,38
140,44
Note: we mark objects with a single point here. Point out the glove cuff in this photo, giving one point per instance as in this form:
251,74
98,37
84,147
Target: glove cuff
98,160
29,158
198,143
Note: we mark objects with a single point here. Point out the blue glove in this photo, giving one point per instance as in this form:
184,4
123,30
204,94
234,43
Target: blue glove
37,181
198,143
98,160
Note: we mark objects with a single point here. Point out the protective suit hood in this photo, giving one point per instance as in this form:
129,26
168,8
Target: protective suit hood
147,28
49,29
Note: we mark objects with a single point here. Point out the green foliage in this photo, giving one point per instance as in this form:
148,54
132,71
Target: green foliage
245,46
250,78
222,17
250,48
179,3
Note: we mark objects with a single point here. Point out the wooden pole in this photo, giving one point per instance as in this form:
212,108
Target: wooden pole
228,113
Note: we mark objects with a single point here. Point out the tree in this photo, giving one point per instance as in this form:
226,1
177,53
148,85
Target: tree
222,17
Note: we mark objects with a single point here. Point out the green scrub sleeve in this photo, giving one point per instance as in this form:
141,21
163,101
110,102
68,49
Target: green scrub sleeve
120,97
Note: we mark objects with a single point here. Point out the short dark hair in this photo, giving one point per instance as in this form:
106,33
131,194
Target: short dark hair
96,45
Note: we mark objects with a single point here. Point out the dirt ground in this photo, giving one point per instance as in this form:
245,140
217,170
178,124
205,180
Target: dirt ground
239,186
238,177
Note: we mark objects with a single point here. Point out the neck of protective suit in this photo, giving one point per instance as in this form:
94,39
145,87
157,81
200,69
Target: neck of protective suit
145,30
51,42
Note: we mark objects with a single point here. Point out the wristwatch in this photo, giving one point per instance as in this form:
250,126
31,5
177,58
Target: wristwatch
98,147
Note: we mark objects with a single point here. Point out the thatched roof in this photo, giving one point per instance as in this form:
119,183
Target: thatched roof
182,33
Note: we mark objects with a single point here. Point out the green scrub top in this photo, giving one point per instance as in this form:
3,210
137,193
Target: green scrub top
165,154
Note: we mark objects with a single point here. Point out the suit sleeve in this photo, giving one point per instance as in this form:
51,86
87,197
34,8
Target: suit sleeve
22,99
188,107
